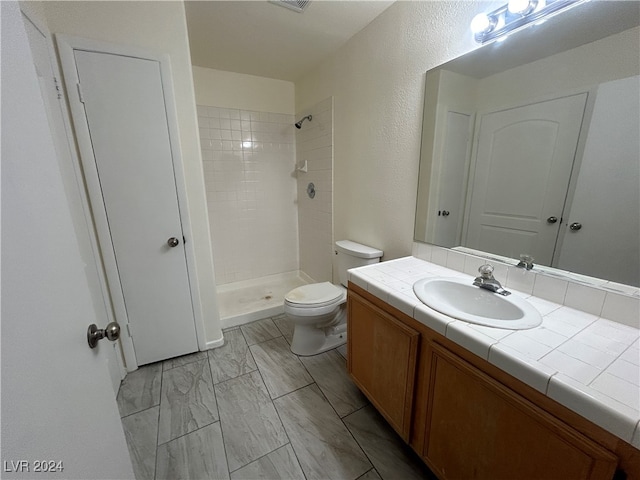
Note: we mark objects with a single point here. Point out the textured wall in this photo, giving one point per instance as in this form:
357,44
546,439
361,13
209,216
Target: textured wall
611,58
219,88
377,80
314,144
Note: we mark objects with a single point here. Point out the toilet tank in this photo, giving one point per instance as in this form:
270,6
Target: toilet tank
351,255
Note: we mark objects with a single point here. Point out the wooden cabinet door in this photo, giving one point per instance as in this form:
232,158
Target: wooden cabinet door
382,361
478,428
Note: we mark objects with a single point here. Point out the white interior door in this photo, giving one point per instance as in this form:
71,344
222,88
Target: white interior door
124,114
39,41
607,196
57,401
522,171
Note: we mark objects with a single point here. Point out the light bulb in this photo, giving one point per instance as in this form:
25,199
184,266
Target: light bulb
520,7
481,23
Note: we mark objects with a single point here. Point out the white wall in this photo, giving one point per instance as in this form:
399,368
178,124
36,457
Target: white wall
314,144
611,58
607,195
219,88
377,80
159,27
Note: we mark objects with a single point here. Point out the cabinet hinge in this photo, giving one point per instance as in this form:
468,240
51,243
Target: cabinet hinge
80,96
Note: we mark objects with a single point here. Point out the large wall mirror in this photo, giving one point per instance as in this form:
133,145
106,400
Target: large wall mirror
531,145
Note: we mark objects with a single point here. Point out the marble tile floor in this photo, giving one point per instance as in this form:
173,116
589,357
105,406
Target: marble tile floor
253,410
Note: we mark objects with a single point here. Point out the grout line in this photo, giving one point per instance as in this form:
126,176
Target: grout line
278,414
236,378
546,389
272,404
368,472
262,341
287,435
261,457
204,361
189,433
196,359
155,466
224,445
272,400
140,411
364,452
213,390
292,391
341,419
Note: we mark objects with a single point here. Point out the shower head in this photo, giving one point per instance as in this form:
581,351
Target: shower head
299,124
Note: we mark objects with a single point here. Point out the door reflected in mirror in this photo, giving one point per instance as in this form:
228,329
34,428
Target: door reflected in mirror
531,146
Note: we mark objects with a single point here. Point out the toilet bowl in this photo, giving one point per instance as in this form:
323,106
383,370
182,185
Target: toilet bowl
319,310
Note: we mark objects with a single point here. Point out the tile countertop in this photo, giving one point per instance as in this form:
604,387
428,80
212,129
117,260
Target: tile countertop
587,363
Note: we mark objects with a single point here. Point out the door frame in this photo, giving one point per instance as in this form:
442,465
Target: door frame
66,46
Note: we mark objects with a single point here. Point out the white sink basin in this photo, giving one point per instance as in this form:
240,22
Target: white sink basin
461,300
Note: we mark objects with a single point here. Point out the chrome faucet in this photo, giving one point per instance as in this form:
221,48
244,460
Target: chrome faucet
488,282
526,261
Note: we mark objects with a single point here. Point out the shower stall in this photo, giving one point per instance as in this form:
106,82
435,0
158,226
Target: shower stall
251,180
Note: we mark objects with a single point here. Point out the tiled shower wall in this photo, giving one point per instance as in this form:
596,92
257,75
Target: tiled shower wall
314,144
249,160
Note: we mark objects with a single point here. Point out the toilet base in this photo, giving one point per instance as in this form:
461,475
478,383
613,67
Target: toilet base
309,340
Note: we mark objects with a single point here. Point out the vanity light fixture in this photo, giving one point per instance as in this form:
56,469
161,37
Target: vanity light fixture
522,7
514,15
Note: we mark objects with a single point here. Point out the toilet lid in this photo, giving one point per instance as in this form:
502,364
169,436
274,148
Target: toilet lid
315,294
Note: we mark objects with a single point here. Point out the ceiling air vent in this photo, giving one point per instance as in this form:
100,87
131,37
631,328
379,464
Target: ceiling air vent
295,5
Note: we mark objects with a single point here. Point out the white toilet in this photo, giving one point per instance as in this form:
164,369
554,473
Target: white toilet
319,310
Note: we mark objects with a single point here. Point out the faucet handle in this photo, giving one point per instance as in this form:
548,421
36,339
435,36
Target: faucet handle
526,261
486,270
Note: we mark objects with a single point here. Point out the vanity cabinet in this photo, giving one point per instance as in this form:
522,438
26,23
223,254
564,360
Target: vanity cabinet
465,417
478,428
382,361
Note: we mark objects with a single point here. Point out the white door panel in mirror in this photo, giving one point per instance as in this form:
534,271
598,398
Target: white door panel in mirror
521,175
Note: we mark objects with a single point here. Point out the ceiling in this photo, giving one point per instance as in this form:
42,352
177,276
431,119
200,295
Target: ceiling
260,38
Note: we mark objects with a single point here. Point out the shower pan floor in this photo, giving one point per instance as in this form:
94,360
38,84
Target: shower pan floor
249,300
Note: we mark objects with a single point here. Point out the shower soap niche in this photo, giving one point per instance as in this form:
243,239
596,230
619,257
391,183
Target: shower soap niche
302,167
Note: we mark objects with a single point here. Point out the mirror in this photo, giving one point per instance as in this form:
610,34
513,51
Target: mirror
531,145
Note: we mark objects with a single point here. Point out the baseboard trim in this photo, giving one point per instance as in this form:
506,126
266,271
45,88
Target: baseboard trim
215,343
